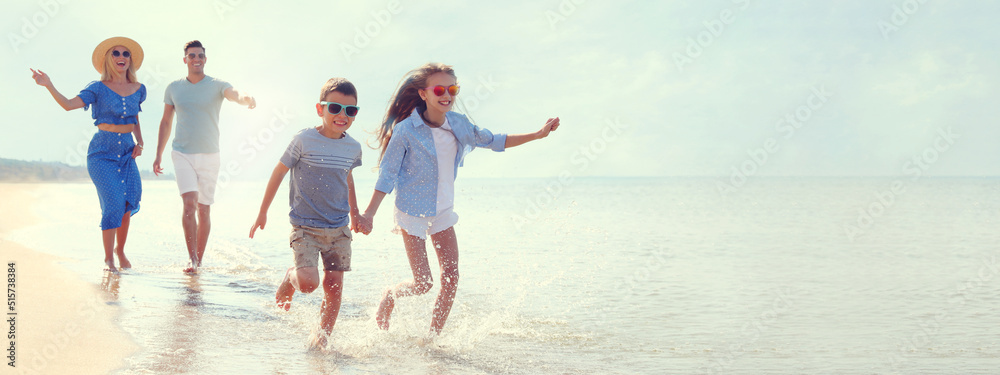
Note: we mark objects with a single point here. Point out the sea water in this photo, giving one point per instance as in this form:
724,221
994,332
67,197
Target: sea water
602,275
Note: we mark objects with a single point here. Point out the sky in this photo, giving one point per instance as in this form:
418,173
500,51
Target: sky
643,88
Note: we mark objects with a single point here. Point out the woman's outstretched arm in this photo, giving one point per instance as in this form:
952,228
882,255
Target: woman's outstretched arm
42,79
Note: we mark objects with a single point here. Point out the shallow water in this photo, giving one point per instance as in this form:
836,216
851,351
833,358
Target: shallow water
583,276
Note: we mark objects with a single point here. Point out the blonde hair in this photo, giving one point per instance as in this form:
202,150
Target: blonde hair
107,75
406,98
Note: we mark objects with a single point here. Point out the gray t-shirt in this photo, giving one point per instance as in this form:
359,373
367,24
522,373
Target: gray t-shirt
317,189
197,108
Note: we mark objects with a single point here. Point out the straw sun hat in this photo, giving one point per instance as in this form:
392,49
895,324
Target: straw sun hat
102,51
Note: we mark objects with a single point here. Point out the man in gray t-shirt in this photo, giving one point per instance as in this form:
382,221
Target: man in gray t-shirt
196,100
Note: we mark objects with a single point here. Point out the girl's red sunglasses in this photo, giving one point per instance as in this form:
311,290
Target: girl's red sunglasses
439,90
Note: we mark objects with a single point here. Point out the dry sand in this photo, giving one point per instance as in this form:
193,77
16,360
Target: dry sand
63,324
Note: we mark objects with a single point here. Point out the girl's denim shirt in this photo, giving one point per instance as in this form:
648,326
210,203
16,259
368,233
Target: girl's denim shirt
410,162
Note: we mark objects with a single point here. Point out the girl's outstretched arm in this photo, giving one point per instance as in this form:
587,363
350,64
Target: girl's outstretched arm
272,188
519,139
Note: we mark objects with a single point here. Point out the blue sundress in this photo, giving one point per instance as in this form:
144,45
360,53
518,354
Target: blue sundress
109,157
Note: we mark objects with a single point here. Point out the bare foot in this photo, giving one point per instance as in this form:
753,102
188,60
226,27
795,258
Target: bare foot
111,266
385,310
122,260
283,297
193,266
427,340
318,341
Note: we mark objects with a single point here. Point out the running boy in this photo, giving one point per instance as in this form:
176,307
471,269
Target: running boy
324,206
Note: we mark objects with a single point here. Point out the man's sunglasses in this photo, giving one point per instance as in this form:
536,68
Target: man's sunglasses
439,90
117,54
335,108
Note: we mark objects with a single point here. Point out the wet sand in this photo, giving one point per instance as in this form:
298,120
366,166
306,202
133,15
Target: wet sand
63,323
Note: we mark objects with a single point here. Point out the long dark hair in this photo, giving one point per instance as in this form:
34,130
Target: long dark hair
406,99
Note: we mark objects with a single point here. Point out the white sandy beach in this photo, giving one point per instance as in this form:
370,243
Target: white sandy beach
63,324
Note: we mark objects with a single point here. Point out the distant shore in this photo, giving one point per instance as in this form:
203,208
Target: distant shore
22,171
62,323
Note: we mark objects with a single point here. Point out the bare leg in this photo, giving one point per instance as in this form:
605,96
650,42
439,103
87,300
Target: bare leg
204,227
333,286
190,224
416,251
122,235
446,244
108,237
305,280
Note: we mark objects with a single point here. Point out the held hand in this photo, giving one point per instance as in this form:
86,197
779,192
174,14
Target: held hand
550,126
136,151
41,78
251,103
157,170
367,224
359,224
355,222
261,222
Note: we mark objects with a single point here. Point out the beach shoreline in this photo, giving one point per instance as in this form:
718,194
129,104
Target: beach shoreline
63,324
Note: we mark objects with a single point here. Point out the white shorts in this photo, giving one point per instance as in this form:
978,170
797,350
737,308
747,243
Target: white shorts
423,226
197,172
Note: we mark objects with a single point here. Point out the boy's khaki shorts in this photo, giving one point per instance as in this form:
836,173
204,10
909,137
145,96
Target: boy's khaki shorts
332,244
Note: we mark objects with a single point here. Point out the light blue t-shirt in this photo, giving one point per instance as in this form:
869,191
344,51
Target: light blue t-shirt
317,189
196,106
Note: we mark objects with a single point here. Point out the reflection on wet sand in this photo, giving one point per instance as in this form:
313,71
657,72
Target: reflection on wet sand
109,287
181,334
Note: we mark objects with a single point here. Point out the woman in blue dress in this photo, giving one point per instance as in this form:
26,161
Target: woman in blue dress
116,100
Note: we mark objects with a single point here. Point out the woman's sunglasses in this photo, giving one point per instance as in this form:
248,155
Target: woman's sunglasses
117,54
335,108
439,90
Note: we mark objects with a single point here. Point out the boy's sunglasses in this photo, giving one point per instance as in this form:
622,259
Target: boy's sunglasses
335,108
439,90
117,54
